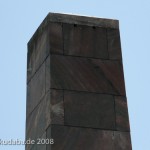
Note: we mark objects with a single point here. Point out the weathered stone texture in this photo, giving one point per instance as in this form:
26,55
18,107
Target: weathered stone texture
75,85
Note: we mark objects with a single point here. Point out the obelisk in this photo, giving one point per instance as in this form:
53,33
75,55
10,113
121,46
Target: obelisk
76,98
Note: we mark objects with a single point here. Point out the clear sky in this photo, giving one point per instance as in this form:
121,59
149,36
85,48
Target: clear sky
18,21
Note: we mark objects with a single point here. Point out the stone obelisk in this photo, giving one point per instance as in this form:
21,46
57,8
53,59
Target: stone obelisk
76,97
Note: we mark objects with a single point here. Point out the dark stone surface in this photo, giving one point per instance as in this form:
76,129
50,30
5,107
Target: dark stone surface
122,141
82,20
72,138
74,19
40,146
37,53
75,85
114,44
56,38
82,74
36,89
42,47
57,107
50,40
89,110
47,65
56,99
30,61
39,120
85,41
122,119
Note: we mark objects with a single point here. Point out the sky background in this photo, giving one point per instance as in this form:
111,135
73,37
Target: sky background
18,21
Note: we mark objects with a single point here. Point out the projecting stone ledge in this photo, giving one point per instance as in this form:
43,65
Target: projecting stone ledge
76,19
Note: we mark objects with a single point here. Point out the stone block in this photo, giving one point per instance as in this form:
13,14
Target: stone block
83,74
89,110
86,41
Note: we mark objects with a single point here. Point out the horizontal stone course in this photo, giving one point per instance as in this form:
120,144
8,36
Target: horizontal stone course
89,110
83,74
73,138
74,19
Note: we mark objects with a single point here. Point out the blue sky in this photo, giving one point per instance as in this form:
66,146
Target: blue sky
18,21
